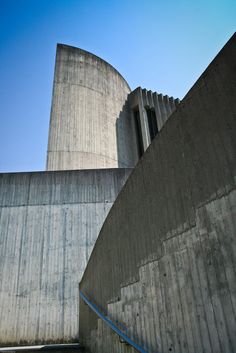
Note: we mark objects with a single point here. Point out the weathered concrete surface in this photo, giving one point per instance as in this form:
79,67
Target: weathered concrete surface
163,106
49,222
88,113
164,262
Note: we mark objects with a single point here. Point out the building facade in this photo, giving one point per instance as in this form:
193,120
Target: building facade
50,220
135,212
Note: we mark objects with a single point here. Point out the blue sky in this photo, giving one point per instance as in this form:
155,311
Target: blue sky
159,45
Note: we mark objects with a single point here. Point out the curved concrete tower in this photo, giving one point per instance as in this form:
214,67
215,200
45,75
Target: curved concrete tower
90,125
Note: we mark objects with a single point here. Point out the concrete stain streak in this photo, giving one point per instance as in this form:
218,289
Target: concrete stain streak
45,245
89,98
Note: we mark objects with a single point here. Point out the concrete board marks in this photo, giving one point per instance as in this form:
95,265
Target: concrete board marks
50,220
49,223
143,101
92,123
164,263
88,112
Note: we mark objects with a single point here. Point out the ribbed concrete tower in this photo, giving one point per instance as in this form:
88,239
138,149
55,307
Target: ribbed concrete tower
90,125
49,221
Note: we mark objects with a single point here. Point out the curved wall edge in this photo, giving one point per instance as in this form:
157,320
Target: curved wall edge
163,266
71,47
89,114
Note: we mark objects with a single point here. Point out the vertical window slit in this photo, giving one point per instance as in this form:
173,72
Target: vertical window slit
138,132
152,122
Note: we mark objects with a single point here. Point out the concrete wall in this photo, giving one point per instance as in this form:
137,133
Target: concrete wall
164,262
163,106
49,222
88,114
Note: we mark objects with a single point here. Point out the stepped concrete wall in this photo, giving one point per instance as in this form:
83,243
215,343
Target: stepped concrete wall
89,114
164,263
49,222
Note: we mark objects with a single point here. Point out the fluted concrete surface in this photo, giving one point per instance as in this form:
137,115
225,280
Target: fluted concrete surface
89,114
164,263
163,106
49,222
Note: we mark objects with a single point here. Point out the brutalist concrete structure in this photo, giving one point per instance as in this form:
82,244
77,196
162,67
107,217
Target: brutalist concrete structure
89,97
91,124
50,220
151,182
49,224
163,267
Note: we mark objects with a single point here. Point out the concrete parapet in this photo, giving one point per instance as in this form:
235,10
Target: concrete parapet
164,263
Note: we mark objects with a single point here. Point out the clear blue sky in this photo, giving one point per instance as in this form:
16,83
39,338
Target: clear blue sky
160,45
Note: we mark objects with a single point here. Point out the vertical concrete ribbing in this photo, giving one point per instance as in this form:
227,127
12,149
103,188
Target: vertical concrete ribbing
88,100
183,192
163,107
49,224
157,110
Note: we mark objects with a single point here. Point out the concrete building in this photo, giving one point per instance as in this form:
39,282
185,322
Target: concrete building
50,220
162,271
91,123
49,224
163,268
89,97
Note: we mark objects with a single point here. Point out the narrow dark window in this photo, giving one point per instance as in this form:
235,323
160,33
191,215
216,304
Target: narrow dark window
138,132
152,122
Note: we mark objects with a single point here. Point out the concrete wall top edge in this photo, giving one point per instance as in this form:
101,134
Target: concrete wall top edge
176,132
66,47
141,89
229,43
58,172
56,188
172,225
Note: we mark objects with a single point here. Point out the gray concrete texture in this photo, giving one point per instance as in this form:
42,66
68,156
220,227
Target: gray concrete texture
163,106
49,223
164,263
89,114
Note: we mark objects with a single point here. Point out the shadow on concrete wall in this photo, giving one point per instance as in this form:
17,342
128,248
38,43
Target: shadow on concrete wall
164,262
127,153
